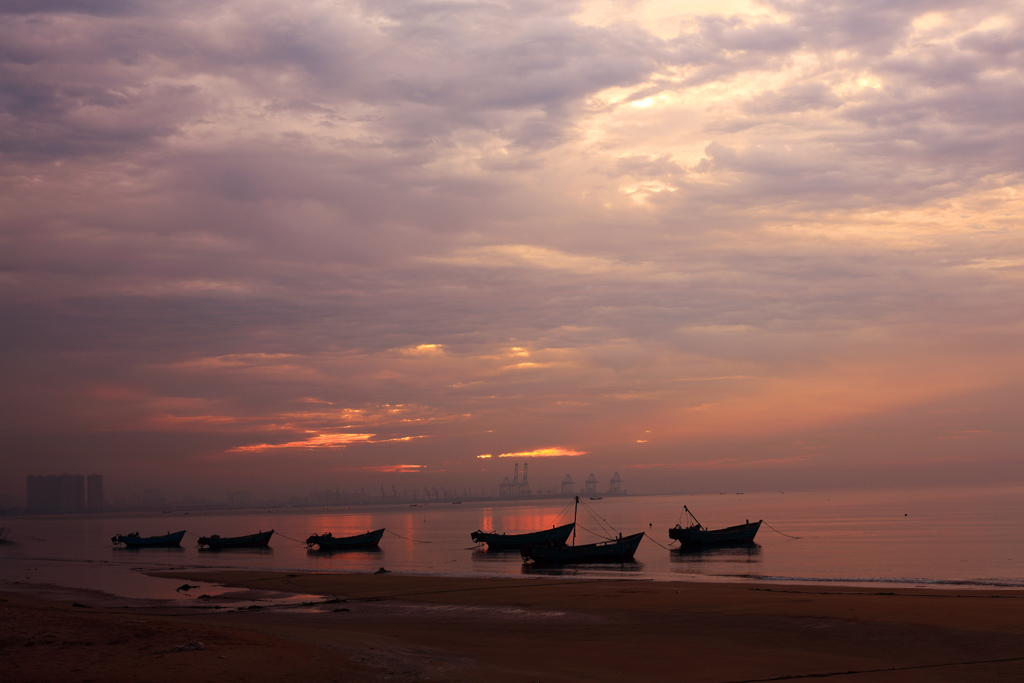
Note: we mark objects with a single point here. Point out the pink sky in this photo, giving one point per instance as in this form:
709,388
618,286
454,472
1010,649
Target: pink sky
277,246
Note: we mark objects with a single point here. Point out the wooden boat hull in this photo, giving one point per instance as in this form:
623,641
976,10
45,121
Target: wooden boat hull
165,541
547,537
329,542
618,550
694,536
259,540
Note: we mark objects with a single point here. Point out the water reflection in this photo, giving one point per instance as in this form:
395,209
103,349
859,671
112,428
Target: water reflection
488,553
148,550
342,524
738,553
265,550
327,552
583,568
520,520
496,558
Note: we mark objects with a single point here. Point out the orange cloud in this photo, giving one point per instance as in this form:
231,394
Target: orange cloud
318,441
543,453
394,468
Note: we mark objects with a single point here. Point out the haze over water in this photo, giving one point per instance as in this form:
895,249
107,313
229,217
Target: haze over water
960,538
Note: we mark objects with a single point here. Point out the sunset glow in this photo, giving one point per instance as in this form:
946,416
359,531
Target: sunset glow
543,453
708,244
318,441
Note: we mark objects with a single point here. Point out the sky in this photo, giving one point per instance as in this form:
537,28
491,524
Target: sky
732,245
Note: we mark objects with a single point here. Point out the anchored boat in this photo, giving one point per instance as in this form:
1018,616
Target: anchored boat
328,541
133,540
698,535
259,540
548,537
619,549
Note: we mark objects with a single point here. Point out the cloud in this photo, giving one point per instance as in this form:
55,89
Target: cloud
317,441
244,225
552,452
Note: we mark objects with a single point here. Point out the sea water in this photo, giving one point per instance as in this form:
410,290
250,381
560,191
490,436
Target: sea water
963,538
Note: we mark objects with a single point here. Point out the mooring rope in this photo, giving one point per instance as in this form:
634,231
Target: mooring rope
563,512
405,538
591,531
651,539
599,519
290,538
777,531
31,538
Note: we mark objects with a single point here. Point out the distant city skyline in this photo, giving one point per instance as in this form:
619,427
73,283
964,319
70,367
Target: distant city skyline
287,247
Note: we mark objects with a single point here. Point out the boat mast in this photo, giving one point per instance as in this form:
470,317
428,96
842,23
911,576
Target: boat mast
699,525
574,520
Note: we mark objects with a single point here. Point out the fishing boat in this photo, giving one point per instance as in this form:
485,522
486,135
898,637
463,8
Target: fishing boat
329,541
619,549
133,540
259,540
548,537
698,535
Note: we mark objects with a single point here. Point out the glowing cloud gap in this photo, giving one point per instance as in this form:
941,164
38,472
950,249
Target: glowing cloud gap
394,468
542,453
318,441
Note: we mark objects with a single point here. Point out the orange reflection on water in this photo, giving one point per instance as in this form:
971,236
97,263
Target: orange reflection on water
342,525
519,521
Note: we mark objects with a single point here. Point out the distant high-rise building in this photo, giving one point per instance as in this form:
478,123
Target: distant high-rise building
94,503
56,493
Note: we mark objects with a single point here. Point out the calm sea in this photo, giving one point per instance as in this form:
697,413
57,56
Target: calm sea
962,538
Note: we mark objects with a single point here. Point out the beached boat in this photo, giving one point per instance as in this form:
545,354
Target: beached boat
698,535
547,537
329,541
133,540
619,549
259,540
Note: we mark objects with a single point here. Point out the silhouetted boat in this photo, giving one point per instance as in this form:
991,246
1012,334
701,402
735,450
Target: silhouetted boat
259,540
329,542
698,535
133,540
548,537
619,549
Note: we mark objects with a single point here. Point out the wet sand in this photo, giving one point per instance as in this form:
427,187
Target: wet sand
392,627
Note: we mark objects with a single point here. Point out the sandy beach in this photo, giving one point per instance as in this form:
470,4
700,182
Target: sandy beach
391,627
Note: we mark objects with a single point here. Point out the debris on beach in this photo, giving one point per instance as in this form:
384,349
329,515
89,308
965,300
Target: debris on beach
191,646
382,571
185,587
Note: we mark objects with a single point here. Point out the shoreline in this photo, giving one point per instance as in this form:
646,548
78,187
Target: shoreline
401,627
